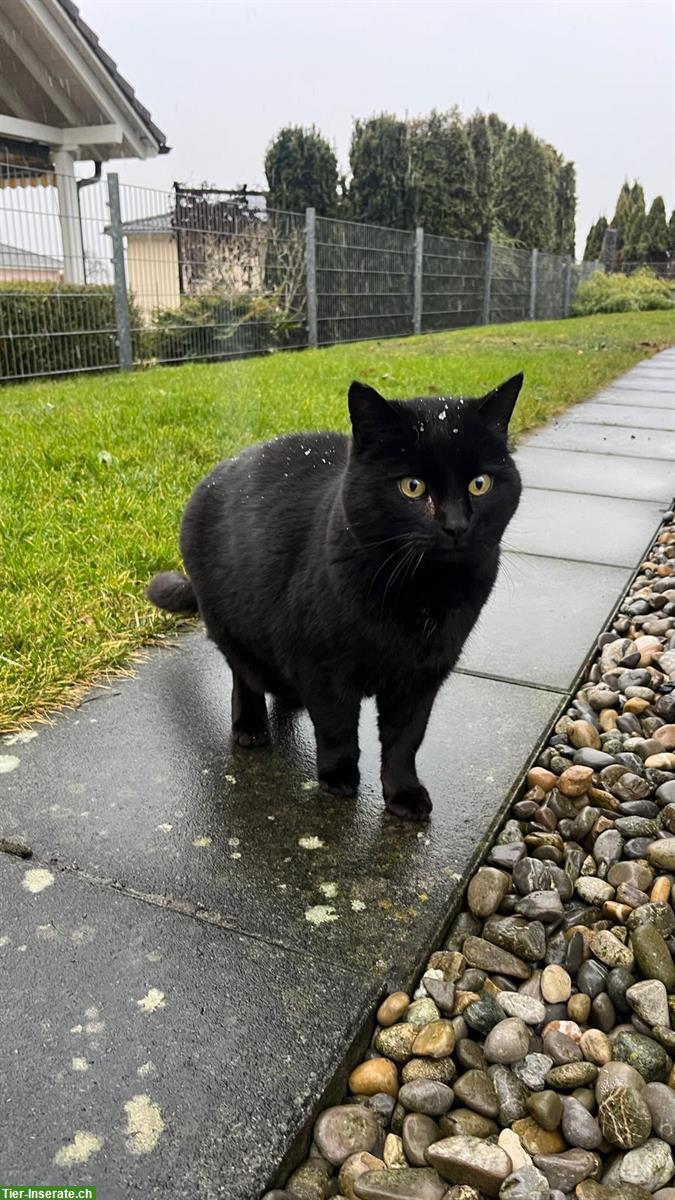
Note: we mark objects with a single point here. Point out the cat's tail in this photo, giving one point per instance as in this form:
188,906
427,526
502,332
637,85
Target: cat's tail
173,592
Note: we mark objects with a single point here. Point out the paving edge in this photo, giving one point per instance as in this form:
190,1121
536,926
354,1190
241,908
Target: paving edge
336,1088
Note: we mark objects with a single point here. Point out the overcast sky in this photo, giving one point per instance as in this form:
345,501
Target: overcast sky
595,78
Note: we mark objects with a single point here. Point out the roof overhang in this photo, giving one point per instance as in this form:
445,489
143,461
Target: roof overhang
59,87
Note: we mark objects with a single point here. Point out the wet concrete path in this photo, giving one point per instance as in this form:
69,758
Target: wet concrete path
191,953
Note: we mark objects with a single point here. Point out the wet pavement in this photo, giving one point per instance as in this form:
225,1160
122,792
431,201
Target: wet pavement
206,936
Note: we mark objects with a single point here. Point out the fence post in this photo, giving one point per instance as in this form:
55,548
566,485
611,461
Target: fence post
120,277
533,285
568,286
417,280
310,263
487,285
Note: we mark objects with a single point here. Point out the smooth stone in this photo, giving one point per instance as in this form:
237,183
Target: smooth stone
525,1183
422,1011
526,939
311,1180
631,786
511,1093
665,794
607,848
662,853
486,891
541,906
442,993
643,1053
618,982
344,1130
572,1075
533,875
650,1166
625,1118
592,978
505,857
418,1133
507,1042
476,1091
464,1122
393,1153
596,1047
538,1140
649,999
491,958
532,1071
653,956
638,874
527,1008
353,1168
373,1076
511,1143
426,1096
556,985
435,1040
617,1074
400,1183
471,1160
579,1128
564,1171
393,1008
383,1105
469,1055
396,1042
442,1070
660,1100
579,1007
561,1048
593,890
546,1108
483,1014
610,951
462,1191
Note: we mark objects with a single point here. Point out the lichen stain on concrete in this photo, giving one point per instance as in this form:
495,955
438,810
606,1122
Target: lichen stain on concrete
201,841
153,1001
84,935
153,956
94,1024
45,933
19,739
76,1028
165,827
146,1068
4,940
37,879
329,890
311,842
144,1124
358,906
80,1150
8,762
80,1064
321,914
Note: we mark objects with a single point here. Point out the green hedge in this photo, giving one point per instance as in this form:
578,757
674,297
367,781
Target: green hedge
217,326
57,327
608,293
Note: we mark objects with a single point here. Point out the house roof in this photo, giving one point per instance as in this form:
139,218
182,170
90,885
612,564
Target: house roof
159,223
59,87
15,258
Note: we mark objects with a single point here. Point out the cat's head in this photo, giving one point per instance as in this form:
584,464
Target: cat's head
435,469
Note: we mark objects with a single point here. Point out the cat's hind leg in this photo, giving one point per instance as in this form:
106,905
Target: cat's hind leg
250,726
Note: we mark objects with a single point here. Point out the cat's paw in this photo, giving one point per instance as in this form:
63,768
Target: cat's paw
342,780
251,738
410,804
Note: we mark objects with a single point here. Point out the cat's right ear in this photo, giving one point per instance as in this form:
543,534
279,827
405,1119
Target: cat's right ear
370,413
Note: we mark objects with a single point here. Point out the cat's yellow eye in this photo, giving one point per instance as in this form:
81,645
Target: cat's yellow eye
481,485
412,488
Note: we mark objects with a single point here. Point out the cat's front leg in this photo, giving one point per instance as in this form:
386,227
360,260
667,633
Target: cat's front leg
335,715
402,719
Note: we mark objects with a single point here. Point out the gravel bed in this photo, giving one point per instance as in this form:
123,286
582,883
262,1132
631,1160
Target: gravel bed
535,1059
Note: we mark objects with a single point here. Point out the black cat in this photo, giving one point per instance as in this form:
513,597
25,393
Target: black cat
329,568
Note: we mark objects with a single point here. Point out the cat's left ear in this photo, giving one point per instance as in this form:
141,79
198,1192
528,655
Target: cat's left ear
370,413
497,407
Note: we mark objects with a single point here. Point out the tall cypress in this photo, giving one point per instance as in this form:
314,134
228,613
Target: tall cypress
380,192
657,232
301,171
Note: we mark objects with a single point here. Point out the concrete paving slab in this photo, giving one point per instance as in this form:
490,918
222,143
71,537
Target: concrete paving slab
632,398
522,632
645,384
143,786
596,474
642,443
153,1054
590,528
624,416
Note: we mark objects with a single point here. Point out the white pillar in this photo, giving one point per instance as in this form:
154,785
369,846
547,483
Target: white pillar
69,216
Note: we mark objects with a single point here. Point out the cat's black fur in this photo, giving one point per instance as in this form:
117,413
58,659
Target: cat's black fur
322,583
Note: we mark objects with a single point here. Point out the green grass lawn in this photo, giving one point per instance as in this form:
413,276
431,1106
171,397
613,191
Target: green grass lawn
95,470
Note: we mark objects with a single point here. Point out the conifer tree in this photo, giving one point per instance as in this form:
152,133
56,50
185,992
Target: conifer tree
657,232
379,192
301,171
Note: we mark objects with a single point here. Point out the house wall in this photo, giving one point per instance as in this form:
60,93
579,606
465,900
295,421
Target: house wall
31,274
152,271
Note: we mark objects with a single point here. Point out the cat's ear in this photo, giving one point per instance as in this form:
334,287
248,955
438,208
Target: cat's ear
370,413
496,408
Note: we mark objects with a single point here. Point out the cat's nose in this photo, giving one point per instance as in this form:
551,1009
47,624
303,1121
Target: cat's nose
456,533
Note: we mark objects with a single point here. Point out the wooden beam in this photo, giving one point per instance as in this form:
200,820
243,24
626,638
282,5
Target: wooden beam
68,139
36,69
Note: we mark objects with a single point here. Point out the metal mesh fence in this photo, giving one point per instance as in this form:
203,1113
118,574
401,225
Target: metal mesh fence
453,283
364,281
88,282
